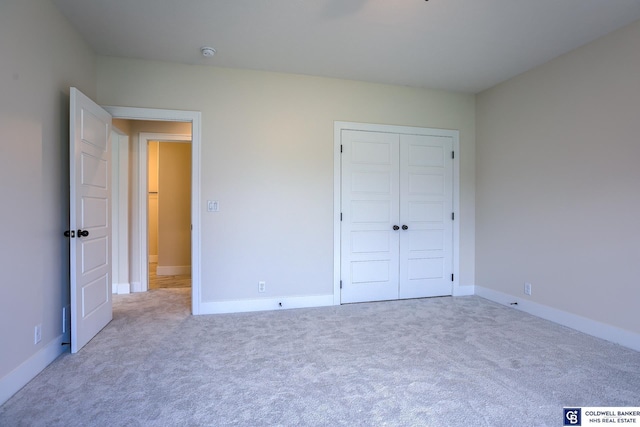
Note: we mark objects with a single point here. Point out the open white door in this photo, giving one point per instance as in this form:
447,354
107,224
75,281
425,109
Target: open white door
90,218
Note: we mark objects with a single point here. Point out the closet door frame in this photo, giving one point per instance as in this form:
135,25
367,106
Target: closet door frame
339,126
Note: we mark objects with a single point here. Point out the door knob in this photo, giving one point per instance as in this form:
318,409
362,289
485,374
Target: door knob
70,233
404,227
395,227
83,233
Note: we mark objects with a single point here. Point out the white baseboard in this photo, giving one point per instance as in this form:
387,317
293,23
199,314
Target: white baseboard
173,270
11,383
153,258
463,291
122,288
136,287
239,306
588,326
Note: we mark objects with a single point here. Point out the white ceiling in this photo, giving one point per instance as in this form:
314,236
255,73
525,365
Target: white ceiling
459,45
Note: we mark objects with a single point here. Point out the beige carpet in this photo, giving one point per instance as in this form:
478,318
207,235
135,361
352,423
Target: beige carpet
428,362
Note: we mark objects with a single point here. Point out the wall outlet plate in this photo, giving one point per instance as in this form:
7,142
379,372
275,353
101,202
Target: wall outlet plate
37,334
262,286
527,288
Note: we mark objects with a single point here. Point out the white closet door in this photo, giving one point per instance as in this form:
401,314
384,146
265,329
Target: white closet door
426,206
370,209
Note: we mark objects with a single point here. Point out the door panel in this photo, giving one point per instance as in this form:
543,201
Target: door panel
426,203
95,295
369,245
94,254
94,212
90,207
371,211
370,241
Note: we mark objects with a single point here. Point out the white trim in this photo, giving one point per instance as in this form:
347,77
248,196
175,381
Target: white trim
122,288
338,127
195,118
143,196
136,287
173,270
337,197
11,383
588,326
266,304
463,290
119,208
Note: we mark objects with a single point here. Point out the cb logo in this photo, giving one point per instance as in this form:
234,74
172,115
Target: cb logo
572,417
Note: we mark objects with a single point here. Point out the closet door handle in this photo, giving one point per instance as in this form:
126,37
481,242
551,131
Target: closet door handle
83,233
395,227
404,227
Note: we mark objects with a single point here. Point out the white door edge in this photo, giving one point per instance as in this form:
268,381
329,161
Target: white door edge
338,127
195,118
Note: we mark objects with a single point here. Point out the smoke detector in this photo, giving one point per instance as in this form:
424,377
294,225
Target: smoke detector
207,52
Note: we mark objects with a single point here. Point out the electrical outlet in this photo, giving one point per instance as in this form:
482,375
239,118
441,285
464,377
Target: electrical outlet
262,286
37,334
527,288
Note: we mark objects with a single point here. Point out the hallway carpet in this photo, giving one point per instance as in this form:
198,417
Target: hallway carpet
157,282
460,361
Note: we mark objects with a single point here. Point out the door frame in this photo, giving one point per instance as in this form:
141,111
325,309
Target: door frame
195,118
338,127
120,212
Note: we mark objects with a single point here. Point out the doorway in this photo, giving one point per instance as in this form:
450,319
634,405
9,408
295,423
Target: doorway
169,211
139,191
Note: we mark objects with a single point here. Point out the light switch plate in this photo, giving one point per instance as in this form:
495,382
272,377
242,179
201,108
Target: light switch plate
213,206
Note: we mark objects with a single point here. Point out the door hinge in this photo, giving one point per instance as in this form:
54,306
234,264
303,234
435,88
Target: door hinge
341,148
340,284
453,216
453,154
340,216
452,277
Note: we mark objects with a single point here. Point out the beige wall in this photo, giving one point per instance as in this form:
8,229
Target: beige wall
41,57
152,210
267,157
174,205
558,182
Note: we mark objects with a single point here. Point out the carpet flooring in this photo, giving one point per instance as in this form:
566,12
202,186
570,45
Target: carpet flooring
176,281
460,361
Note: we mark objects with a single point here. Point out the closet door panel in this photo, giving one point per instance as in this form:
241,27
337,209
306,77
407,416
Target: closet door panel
426,204
369,206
